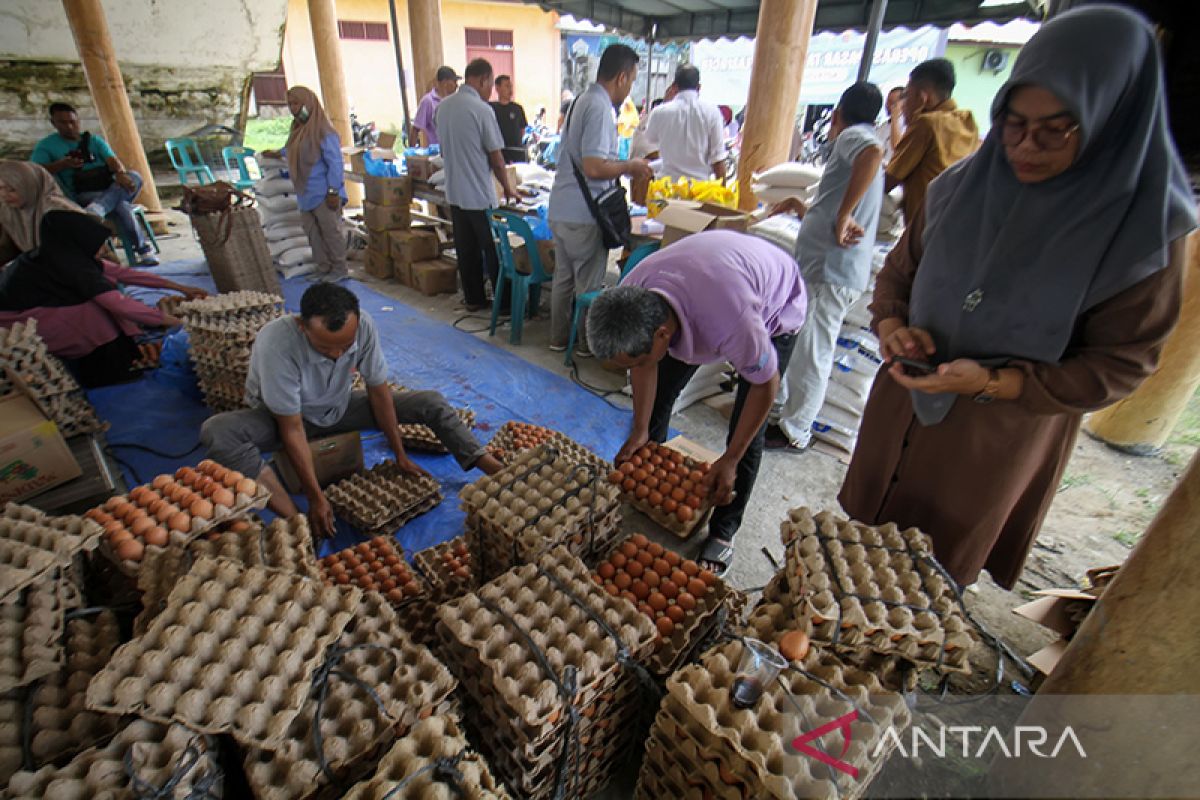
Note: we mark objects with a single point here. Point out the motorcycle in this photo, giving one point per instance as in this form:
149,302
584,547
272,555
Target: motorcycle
535,133
365,133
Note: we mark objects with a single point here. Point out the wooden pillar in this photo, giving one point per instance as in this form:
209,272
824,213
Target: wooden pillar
1141,423
89,26
322,16
425,28
780,50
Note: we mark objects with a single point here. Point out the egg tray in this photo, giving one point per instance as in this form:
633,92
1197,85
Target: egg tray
230,304
875,588
756,741
506,444
675,765
232,652
216,359
33,543
422,439
31,632
376,565
61,726
665,514
383,498
56,391
482,645
43,374
156,756
543,498
401,683
410,769
446,567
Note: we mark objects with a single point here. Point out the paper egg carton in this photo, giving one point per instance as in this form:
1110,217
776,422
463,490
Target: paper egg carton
61,725
72,413
43,374
33,543
754,745
407,771
542,499
410,683
24,353
170,760
516,437
376,565
383,498
232,652
665,467
875,588
421,438
675,765
231,303
446,568
31,632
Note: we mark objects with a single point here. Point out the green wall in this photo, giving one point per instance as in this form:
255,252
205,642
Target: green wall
976,89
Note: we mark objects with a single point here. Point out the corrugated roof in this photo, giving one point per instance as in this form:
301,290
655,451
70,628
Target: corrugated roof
711,19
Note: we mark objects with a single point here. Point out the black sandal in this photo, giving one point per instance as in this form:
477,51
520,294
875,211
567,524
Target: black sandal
716,551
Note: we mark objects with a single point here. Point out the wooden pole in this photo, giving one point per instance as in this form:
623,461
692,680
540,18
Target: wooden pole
780,50
425,28
322,16
89,26
1141,423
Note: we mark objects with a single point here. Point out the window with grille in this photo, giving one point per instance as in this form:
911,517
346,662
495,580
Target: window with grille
363,31
492,39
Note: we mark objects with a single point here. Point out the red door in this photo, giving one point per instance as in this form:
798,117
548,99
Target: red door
501,61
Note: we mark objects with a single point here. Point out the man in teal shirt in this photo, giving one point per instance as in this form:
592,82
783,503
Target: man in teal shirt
91,174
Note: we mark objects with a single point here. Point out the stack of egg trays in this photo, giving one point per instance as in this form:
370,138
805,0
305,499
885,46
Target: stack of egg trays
33,543
232,652
24,353
375,653
409,770
422,439
701,741
531,660
669,521
285,544
875,588
544,498
221,330
504,448
383,499
443,584
166,760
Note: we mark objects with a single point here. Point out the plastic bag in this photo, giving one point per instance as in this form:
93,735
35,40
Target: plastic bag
379,167
539,224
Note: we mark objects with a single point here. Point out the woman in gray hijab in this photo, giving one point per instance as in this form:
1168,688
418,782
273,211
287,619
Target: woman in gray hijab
1039,283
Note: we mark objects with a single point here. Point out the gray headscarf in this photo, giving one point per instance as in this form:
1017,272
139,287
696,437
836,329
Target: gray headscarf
1008,268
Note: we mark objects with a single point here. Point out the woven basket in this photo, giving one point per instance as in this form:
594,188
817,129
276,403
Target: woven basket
240,260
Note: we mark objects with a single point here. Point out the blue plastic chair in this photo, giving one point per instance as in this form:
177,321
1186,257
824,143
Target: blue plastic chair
585,300
523,286
186,158
129,244
237,164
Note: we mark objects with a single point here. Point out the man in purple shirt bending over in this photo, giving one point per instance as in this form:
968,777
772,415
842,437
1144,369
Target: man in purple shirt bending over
714,296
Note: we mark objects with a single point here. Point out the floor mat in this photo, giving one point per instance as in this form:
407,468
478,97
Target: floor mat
422,353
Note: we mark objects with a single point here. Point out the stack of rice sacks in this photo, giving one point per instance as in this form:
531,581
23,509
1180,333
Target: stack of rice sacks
280,212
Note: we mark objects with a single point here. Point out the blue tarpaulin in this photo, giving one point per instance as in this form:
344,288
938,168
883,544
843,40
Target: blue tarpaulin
422,353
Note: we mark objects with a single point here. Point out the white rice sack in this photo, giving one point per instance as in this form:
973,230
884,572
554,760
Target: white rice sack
277,233
284,245
781,230
297,255
839,419
279,204
438,178
306,268
265,163
767,193
272,220
839,439
845,397
792,175
273,187
532,173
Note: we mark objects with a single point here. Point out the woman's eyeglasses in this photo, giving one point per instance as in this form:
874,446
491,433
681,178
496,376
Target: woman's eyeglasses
1014,129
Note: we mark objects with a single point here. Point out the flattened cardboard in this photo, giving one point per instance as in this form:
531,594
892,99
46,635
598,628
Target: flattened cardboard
1048,657
1049,612
33,455
334,458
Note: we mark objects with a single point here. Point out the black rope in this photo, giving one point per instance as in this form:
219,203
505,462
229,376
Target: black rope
567,688
320,690
444,769
598,391
466,317
207,786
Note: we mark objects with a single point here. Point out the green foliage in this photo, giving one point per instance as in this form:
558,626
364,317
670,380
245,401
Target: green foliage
267,134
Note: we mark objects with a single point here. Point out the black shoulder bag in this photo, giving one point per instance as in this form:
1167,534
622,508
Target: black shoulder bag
610,209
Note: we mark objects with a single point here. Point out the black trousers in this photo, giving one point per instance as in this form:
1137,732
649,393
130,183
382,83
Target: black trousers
475,250
673,376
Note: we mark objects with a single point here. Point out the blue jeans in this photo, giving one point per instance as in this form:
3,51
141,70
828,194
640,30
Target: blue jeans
116,202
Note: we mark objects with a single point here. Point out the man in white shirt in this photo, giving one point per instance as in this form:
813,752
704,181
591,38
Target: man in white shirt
688,132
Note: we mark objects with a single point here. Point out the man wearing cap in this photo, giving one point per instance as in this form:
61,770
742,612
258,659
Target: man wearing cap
425,121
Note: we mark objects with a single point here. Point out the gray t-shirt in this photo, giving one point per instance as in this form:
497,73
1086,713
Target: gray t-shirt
820,257
287,376
590,131
468,131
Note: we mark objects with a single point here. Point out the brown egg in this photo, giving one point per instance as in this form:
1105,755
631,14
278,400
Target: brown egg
697,588
640,590
662,567
391,559
178,492
652,578
180,521
231,478
148,499
622,580
206,465
612,589
201,483
342,578
684,514
617,559
218,473
140,525
629,485
135,494
223,497
360,571
99,516
639,540
709,578
655,549
121,508
364,548
386,585
669,505
606,571
678,578
156,536
112,526
201,508
133,515
669,589
794,645
675,614
634,568
411,589
130,550
685,601
616,476
665,626
239,526
185,474
162,482
655,498
165,512
395,595
118,536
657,601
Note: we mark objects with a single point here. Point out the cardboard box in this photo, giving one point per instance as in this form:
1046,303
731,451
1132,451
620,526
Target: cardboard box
513,178
388,191
419,168
682,218
692,449
435,277
545,248
386,218
378,263
402,273
334,458
1059,610
411,246
33,454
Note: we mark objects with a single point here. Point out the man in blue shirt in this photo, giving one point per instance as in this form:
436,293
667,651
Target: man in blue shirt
91,174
